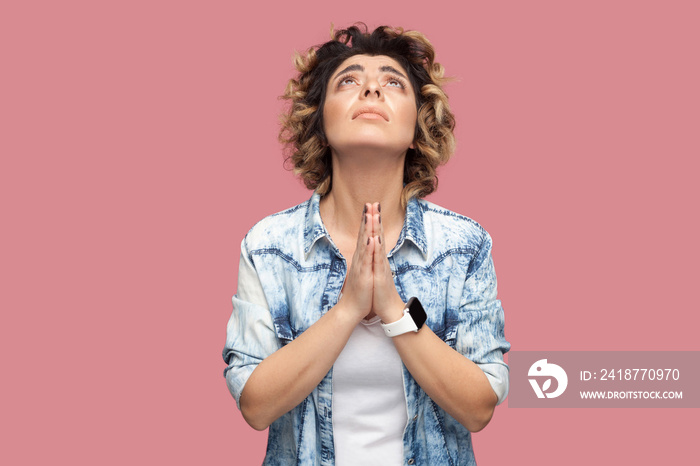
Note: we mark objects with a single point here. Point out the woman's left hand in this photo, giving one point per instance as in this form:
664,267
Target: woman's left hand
386,302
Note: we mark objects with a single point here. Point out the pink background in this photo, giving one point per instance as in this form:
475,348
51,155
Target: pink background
138,144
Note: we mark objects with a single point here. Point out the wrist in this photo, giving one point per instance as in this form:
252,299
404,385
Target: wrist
393,312
345,315
414,317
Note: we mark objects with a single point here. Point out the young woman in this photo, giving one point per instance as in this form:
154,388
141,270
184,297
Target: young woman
366,328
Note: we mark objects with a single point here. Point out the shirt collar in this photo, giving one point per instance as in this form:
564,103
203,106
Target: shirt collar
413,227
313,225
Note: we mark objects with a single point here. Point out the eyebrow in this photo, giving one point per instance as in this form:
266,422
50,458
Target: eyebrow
358,67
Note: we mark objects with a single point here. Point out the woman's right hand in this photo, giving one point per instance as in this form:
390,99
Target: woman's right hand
287,376
357,291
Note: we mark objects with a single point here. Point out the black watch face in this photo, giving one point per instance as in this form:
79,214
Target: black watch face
415,308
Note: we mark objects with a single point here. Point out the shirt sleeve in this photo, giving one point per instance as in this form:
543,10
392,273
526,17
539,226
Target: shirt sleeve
250,334
480,334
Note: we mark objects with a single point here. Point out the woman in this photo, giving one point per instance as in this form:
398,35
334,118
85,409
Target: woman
383,346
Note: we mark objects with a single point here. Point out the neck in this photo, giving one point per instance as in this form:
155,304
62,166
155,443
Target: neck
361,179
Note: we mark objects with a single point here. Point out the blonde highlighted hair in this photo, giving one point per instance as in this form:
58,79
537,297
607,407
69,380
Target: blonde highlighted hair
302,124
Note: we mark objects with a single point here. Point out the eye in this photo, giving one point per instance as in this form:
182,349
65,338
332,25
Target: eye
346,80
395,82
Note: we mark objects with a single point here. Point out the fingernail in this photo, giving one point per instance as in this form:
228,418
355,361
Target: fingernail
364,211
380,240
368,240
380,219
379,207
365,219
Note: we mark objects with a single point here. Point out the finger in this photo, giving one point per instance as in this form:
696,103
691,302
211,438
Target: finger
379,260
364,261
369,254
362,235
366,246
377,228
376,209
380,229
376,256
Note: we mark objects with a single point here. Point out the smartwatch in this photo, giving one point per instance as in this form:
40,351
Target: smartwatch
413,319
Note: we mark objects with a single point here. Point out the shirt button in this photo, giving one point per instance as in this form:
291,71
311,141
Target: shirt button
411,461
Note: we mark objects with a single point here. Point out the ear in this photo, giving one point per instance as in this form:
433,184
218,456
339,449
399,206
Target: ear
412,146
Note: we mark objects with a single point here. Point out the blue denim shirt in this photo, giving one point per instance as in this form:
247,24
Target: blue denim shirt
291,273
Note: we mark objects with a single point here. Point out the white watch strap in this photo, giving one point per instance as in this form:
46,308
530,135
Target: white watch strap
403,325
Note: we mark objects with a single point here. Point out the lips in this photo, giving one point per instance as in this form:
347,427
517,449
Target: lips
370,110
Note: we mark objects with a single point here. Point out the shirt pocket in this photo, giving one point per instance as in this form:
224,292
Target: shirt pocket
429,287
439,285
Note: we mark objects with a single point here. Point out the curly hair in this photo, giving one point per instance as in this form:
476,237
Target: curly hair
302,124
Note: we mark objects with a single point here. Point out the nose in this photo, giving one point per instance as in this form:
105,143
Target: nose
372,89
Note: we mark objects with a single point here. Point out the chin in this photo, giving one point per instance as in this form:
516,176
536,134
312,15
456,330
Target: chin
372,148
366,143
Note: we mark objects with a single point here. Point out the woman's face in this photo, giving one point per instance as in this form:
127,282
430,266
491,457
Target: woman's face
370,104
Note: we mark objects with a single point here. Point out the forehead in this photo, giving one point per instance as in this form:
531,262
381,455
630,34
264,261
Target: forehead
370,62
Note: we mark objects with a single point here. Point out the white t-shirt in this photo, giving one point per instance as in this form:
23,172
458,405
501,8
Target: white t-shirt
369,403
